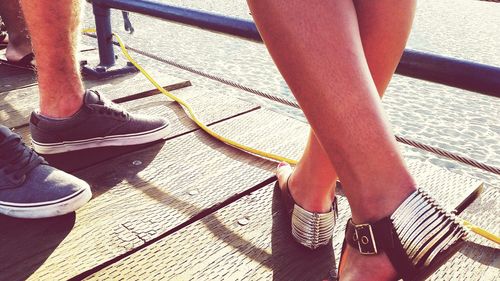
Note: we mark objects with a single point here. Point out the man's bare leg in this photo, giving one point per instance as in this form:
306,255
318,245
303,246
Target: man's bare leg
19,40
326,69
70,117
54,29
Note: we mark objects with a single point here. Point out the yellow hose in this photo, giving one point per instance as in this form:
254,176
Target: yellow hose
482,232
473,228
191,112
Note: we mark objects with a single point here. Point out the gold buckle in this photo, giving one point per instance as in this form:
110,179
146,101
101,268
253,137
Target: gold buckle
363,234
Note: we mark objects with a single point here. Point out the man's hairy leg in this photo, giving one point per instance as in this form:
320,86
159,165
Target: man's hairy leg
54,29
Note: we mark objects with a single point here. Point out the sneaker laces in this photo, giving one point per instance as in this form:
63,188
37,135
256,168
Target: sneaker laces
109,107
17,159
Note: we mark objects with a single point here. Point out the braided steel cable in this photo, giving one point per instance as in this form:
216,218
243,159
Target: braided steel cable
425,147
448,154
216,78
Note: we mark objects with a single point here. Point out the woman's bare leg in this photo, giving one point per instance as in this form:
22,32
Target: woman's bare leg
324,59
312,183
384,33
314,177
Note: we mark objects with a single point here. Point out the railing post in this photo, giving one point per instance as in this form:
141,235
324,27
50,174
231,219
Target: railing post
104,34
108,65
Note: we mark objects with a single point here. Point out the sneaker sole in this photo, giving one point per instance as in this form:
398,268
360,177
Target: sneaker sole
115,140
47,209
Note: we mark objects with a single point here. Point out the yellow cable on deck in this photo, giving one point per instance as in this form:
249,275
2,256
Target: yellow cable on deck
191,112
482,232
488,235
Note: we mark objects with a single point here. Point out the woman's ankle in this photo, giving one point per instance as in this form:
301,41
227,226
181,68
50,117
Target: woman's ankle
373,207
312,195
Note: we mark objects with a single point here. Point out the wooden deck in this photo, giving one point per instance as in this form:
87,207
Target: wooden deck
190,207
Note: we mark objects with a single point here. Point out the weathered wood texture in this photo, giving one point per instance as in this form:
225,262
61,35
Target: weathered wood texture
250,240
16,105
15,78
161,190
289,139
137,197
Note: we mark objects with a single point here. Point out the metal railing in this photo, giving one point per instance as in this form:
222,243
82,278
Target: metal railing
467,75
457,73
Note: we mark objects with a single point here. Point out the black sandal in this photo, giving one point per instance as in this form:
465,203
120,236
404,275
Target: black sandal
310,229
25,62
418,237
3,35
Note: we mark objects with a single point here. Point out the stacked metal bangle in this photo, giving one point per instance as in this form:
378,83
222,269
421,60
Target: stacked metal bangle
313,229
424,228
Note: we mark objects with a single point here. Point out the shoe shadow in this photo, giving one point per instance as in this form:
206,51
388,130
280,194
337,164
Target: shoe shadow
26,244
81,159
129,161
483,254
291,261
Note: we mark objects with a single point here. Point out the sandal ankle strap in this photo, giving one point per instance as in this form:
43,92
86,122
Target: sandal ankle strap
415,235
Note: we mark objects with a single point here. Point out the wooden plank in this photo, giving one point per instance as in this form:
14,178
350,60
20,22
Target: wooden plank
250,240
289,137
217,247
209,108
16,105
137,197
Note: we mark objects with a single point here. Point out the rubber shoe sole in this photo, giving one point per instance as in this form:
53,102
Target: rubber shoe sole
47,209
115,140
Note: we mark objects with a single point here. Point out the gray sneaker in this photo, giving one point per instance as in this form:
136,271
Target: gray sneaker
98,123
30,188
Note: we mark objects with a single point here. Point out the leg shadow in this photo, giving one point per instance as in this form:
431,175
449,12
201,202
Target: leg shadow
26,244
291,261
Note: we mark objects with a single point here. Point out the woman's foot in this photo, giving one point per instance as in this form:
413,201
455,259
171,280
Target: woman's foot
19,46
312,229
311,192
355,266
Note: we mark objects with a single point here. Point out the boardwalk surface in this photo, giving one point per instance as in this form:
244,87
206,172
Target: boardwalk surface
191,207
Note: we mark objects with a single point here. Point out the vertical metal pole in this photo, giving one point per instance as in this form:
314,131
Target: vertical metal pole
104,34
